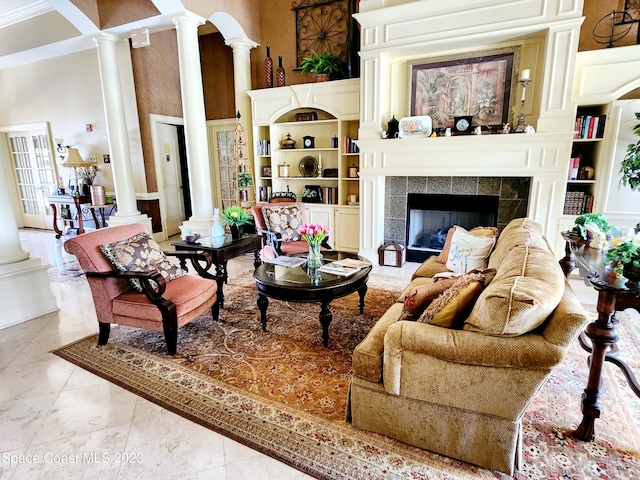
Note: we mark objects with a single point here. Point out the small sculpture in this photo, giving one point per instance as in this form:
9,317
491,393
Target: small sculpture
506,128
529,129
599,237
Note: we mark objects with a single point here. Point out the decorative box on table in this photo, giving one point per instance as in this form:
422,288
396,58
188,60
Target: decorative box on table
392,254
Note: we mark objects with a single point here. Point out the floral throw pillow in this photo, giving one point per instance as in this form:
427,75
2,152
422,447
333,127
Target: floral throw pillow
284,220
140,253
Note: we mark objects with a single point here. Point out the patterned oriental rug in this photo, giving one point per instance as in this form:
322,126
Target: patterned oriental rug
283,394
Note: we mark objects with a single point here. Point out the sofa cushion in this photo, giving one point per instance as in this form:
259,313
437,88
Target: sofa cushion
520,231
527,287
483,231
284,219
429,268
451,307
468,251
420,296
140,253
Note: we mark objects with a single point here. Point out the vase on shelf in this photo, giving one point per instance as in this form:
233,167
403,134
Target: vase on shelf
280,73
268,69
314,259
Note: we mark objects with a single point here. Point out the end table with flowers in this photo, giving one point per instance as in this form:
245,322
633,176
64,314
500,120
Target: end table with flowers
624,256
314,234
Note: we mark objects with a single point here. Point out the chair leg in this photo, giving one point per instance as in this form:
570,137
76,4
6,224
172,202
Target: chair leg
215,310
103,335
170,328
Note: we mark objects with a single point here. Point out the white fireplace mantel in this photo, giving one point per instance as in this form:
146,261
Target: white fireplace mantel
542,157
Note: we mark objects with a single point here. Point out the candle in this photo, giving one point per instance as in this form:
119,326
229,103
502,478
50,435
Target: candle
526,74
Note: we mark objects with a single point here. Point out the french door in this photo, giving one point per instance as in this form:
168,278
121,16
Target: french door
34,175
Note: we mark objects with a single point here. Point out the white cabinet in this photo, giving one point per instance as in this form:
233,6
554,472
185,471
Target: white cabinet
344,223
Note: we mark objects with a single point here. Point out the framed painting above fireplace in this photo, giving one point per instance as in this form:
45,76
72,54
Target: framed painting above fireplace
477,84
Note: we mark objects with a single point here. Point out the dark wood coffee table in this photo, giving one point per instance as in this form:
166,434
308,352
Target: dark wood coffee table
600,337
231,248
298,285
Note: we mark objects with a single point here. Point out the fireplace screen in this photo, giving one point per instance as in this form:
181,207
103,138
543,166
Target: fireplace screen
430,216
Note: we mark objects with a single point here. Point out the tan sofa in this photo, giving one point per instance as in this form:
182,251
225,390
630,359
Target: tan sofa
462,392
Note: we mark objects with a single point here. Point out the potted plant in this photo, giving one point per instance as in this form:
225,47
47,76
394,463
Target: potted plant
624,256
598,219
630,167
322,65
244,180
236,218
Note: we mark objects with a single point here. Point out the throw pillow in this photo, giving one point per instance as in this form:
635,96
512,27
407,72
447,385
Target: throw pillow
284,220
469,251
451,308
419,297
482,231
140,253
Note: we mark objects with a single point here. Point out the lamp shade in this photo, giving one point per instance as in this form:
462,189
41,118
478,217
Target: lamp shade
73,159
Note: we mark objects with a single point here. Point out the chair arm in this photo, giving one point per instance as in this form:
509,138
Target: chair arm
530,351
152,292
271,238
195,258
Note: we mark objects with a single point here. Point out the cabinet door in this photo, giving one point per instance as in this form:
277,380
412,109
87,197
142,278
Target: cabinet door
347,230
321,214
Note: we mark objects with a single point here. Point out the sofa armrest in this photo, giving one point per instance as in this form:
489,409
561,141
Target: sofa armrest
530,351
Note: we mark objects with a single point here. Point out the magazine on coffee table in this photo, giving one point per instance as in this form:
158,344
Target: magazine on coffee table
339,268
287,261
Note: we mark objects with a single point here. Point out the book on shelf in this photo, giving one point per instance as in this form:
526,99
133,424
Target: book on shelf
350,146
574,167
264,147
589,126
330,195
577,203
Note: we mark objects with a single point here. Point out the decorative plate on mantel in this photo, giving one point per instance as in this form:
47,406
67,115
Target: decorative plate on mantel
417,126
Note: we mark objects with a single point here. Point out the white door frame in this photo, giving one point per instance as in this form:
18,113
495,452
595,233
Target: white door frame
154,120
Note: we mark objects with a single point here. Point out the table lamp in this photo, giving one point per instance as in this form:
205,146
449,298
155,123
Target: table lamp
74,160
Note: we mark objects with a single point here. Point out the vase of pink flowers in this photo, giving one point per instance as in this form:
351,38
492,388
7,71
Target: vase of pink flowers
314,234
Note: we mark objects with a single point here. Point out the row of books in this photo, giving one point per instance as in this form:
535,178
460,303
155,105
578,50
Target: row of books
589,126
350,146
264,147
264,193
577,203
574,167
330,195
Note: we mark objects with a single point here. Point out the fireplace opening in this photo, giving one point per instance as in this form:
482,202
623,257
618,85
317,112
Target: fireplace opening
429,217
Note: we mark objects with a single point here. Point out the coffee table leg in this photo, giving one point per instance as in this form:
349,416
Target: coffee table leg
362,291
220,280
325,320
263,303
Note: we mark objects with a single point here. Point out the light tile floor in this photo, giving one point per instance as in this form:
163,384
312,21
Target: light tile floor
80,426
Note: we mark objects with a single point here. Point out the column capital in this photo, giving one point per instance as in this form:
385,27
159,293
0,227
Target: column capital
106,38
241,42
188,18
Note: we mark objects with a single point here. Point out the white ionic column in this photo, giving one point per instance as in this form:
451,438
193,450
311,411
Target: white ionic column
195,124
242,84
117,133
25,292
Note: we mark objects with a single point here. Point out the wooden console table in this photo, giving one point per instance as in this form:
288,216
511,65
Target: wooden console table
603,331
66,214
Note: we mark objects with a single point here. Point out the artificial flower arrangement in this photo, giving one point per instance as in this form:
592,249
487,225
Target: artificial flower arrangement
313,233
236,216
624,251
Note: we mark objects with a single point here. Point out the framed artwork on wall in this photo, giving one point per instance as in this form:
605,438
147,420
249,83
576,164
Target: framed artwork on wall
478,84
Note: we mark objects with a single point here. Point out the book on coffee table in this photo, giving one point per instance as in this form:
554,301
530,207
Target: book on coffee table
288,261
338,268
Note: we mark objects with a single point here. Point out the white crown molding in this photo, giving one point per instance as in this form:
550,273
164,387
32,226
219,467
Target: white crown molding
24,12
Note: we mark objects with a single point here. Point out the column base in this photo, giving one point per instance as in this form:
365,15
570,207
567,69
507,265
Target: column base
25,292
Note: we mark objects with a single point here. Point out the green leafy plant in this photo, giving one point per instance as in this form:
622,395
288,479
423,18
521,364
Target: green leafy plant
236,216
581,221
622,251
630,167
244,180
321,64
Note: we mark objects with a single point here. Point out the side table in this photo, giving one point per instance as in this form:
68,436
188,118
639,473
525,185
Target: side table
221,255
603,331
66,214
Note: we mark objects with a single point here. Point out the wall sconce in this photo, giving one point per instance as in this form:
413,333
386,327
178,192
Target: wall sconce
62,149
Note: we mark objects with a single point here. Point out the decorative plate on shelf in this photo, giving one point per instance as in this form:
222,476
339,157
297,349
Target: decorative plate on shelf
308,166
418,126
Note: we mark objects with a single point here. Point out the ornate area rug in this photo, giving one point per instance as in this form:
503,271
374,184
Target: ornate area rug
282,393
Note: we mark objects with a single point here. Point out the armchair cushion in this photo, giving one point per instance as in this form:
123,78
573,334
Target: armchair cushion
140,253
284,220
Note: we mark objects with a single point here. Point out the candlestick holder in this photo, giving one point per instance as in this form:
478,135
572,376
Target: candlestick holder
521,126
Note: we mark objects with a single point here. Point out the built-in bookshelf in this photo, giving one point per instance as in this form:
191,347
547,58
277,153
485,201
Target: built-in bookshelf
585,165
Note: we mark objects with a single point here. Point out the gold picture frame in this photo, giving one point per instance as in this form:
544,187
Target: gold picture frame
481,84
